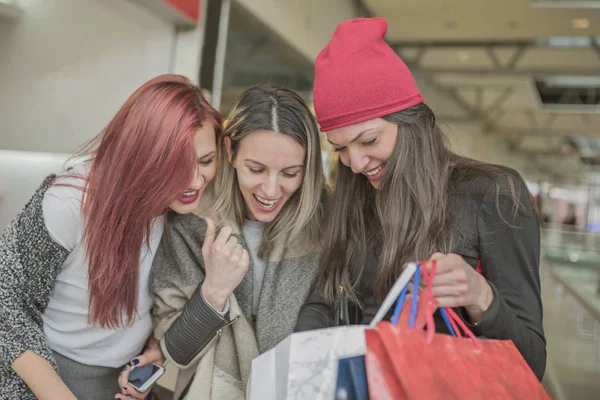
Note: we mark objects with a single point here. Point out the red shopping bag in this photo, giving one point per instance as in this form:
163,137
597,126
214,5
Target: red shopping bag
383,383
426,365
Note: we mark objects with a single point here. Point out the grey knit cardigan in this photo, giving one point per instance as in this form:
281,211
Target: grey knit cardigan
29,264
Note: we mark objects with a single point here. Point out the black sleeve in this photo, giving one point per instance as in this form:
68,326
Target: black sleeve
510,259
314,314
197,325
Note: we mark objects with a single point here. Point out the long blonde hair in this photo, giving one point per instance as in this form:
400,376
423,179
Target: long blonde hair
266,107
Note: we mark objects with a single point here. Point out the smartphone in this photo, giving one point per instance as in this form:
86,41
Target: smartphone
142,378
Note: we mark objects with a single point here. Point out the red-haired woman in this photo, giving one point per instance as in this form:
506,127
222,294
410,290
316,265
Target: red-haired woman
75,262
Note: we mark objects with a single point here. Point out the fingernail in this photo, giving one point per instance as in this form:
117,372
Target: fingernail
125,368
135,361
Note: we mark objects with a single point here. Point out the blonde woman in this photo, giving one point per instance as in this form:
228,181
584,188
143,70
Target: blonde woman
244,287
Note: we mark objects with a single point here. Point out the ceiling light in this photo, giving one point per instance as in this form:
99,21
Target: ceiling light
573,81
581,23
566,3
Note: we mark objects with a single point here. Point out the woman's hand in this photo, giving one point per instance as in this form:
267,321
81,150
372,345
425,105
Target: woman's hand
457,284
152,354
226,263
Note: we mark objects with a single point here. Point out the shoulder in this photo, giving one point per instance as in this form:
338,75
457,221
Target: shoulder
178,261
27,241
62,209
495,194
508,190
65,195
188,227
488,181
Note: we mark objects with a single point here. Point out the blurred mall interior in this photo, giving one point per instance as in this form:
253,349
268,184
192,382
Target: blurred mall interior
515,82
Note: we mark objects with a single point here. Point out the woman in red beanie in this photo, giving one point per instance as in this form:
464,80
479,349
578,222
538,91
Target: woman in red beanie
401,195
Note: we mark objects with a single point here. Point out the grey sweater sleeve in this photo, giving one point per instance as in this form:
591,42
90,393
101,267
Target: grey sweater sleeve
29,263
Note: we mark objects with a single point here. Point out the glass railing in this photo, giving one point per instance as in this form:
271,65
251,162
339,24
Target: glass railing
570,275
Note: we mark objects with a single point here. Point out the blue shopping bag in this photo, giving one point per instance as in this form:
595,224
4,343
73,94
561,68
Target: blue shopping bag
352,379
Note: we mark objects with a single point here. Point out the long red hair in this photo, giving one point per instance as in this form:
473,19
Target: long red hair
140,163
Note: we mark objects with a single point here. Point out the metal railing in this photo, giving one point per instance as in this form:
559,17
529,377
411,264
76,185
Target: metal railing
571,237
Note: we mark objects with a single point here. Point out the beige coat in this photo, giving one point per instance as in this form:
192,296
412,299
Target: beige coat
222,368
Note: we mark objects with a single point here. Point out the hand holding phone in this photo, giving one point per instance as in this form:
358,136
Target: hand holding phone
142,378
137,378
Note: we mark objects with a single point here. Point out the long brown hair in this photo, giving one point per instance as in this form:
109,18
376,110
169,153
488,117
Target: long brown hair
426,194
140,163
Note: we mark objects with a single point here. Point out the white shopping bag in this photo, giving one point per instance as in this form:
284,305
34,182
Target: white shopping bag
304,365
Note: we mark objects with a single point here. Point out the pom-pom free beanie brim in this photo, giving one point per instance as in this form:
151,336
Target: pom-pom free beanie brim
358,77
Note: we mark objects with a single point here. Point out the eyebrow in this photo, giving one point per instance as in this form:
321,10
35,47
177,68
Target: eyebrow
357,136
207,155
263,165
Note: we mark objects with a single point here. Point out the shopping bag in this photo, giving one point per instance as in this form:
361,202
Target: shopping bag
453,368
382,381
351,379
428,365
305,364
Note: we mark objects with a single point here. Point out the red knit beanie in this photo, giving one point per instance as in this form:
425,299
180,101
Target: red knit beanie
358,77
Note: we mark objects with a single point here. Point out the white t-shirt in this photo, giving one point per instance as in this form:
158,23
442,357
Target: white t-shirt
66,317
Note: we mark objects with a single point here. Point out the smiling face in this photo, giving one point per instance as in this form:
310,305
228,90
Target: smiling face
269,170
206,150
365,147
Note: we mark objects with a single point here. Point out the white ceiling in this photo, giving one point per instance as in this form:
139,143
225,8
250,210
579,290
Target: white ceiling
488,54
479,19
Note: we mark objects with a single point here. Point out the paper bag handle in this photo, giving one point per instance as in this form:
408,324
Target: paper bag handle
394,292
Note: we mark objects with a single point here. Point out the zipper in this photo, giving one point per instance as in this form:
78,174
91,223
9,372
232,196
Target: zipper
218,335
220,331
361,305
342,303
341,307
